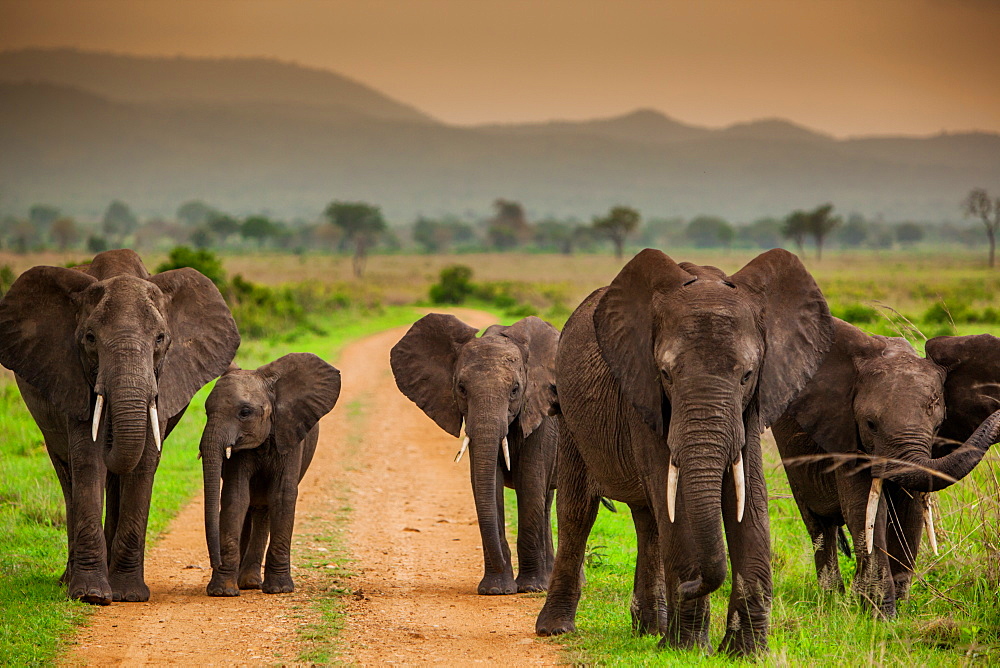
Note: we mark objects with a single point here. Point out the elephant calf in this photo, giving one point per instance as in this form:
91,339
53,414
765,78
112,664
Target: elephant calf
492,383
875,401
260,438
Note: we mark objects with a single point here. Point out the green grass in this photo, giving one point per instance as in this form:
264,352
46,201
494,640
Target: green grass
35,616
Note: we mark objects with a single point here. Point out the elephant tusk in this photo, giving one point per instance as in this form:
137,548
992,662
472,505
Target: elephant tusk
873,498
461,451
672,474
229,451
929,527
741,488
154,421
506,452
98,409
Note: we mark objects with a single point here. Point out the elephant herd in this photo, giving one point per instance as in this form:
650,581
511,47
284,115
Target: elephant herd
655,395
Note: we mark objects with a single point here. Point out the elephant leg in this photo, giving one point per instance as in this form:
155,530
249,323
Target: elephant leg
127,560
112,501
281,519
873,578
649,603
255,532
576,509
494,582
89,573
534,529
749,540
235,501
905,523
63,473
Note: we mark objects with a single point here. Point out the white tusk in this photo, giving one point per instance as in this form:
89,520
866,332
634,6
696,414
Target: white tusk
741,488
929,526
873,497
506,452
672,474
98,408
154,420
229,451
461,451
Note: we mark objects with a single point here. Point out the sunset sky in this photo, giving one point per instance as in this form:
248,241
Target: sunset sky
848,67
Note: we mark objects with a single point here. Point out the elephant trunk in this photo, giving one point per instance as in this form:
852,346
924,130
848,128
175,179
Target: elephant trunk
129,391
921,473
486,434
213,442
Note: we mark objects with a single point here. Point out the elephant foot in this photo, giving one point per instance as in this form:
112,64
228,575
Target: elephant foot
648,622
494,584
249,579
552,623
743,641
90,588
277,584
222,585
901,582
129,587
531,583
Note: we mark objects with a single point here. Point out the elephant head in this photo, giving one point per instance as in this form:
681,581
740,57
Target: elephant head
114,341
708,361
490,383
876,395
279,402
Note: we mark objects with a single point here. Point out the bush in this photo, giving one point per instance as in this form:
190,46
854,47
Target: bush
454,286
205,261
856,313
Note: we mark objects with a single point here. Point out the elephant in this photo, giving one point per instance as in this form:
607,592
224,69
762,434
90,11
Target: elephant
260,437
666,379
872,434
109,340
490,384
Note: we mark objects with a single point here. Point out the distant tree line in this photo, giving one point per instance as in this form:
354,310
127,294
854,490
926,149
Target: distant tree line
359,228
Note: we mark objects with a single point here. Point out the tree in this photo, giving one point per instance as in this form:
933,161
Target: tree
854,232
223,225
761,233
617,225
978,203
362,224
119,220
436,236
509,227
259,228
42,216
795,228
819,225
710,232
65,232
557,235
195,213
909,233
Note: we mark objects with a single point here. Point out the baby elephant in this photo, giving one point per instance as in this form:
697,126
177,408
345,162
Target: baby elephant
261,435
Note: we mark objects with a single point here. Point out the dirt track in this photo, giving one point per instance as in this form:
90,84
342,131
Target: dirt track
412,536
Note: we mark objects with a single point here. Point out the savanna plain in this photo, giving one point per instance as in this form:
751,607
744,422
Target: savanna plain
313,303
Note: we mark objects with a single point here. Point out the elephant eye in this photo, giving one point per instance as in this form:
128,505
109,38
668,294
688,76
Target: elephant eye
871,425
514,390
160,338
245,412
746,377
461,389
89,336
665,374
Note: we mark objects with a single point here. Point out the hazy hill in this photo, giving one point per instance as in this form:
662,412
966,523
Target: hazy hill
291,154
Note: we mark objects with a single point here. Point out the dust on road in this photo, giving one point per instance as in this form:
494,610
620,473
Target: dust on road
411,533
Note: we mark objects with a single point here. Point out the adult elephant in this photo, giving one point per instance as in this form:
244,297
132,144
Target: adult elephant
899,426
666,379
501,386
107,340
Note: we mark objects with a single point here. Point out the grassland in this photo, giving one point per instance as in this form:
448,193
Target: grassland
951,618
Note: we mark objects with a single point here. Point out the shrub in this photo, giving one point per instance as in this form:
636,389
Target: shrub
205,261
454,286
856,313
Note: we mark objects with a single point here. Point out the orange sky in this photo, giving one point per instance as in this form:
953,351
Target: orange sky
844,66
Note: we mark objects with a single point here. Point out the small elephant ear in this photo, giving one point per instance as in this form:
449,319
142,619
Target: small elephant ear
798,327
824,408
623,321
423,364
972,386
203,336
541,340
38,338
305,389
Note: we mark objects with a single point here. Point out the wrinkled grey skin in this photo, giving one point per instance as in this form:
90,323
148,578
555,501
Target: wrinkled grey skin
682,363
111,329
499,385
874,396
269,419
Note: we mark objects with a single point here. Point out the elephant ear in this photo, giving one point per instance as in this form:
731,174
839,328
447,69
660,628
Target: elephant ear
824,408
38,338
203,336
623,322
798,327
423,364
972,386
305,389
541,340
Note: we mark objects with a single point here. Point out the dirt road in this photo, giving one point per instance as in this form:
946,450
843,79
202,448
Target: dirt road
412,537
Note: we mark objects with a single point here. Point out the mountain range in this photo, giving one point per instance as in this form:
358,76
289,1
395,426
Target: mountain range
78,129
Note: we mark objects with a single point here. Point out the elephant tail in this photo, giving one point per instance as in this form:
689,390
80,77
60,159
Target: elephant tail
845,546
609,504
